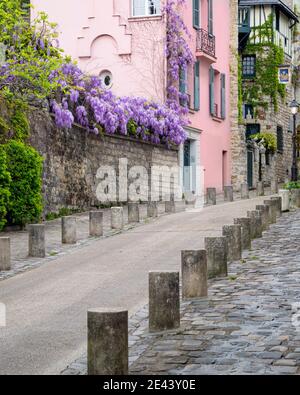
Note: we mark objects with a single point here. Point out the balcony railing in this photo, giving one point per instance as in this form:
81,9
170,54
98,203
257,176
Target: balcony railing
206,43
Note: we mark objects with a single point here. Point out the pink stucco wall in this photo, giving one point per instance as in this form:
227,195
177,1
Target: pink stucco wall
102,35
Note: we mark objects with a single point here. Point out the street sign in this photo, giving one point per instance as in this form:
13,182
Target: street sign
284,74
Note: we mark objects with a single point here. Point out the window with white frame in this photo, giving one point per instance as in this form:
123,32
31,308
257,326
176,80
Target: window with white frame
145,7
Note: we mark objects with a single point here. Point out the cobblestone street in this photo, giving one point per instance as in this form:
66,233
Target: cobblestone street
247,325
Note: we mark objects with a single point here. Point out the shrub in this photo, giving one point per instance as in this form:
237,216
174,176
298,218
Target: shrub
25,166
292,185
268,140
4,187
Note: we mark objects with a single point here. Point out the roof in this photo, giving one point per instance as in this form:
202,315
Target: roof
280,3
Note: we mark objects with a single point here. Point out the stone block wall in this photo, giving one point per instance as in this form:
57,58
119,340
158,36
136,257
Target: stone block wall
72,158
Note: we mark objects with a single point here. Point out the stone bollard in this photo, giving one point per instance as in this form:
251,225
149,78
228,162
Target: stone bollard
194,274
228,194
295,198
5,260
246,231
264,211
272,210
274,187
216,248
285,196
133,213
69,230
256,223
117,221
211,196
107,342
170,207
244,191
164,301
36,241
260,189
96,223
233,234
278,205
152,210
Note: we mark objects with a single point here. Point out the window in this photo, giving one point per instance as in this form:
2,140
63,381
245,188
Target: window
197,86
248,111
212,107
223,96
196,14
106,78
277,21
252,128
280,139
248,67
183,85
210,17
146,7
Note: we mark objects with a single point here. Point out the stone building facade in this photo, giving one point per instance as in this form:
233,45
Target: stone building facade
251,161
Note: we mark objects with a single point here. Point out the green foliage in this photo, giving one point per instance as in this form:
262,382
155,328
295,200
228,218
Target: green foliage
268,140
14,122
264,87
292,185
25,167
64,211
4,187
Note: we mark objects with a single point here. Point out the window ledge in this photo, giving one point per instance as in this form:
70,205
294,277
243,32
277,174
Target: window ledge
217,119
145,18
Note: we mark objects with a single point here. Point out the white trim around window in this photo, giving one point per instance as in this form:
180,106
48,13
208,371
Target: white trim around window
142,8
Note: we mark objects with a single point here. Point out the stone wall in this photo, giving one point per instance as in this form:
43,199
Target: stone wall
72,158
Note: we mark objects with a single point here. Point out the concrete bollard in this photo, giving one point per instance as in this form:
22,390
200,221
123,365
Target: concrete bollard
274,187
36,241
272,210
164,301
278,205
216,248
260,189
194,274
295,198
285,196
256,223
228,193
5,253
264,211
133,213
69,230
107,342
96,223
152,210
211,196
245,191
246,231
117,221
233,234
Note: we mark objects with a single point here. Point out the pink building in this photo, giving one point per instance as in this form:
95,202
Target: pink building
124,42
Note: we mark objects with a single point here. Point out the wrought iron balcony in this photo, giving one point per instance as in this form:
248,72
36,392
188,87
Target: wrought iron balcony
206,43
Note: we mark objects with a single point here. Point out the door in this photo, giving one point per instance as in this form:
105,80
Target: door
250,169
187,166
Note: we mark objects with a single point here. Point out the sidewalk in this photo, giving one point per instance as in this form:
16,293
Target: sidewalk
245,326
47,307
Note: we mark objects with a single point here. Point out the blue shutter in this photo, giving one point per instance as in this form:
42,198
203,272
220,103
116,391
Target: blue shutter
197,86
182,81
223,96
196,14
212,91
210,16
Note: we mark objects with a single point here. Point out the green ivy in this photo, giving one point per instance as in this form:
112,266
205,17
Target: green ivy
14,123
292,185
269,56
